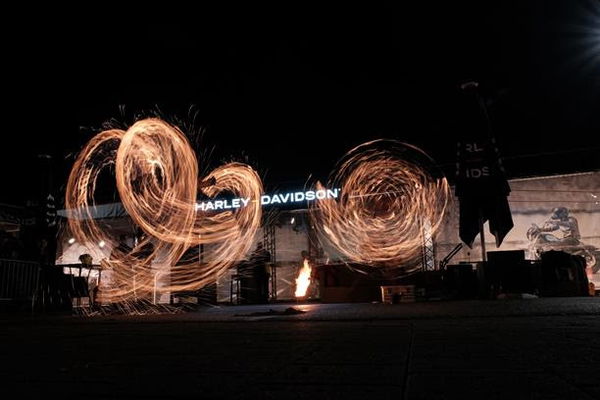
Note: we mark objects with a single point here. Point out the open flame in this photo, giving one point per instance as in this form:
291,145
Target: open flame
303,279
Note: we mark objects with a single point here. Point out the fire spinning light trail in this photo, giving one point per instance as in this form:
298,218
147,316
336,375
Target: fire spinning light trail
389,195
157,179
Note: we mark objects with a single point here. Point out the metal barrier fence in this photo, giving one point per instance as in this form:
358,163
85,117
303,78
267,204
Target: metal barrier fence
18,279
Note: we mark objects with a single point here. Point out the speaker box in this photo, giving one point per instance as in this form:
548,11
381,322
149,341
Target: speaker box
509,272
506,257
460,281
563,274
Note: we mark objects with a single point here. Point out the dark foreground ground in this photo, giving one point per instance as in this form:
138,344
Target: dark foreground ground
501,349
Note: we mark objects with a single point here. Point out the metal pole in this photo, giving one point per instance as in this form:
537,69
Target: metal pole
154,297
482,237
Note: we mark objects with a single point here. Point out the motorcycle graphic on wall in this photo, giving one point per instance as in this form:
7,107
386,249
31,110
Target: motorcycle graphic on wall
561,232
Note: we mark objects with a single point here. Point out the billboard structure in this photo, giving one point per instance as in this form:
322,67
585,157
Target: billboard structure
559,212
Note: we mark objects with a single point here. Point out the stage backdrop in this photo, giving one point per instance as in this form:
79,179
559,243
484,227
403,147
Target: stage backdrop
565,208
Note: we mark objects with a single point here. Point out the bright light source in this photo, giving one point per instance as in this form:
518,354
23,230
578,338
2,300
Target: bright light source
101,243
72,240
584,34
293,220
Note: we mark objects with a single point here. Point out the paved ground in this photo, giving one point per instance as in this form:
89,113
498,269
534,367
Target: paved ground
510,349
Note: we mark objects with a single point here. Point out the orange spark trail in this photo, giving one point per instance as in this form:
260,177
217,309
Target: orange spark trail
389,192
156,173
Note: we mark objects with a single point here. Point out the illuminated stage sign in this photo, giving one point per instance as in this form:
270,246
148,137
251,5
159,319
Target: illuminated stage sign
279,198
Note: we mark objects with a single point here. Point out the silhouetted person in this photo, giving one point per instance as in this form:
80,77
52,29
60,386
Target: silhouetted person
259,260
9,246
81,283
254,276
86,260
44,252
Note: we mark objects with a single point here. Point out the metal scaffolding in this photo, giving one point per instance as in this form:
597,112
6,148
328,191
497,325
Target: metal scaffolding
428,250
269,244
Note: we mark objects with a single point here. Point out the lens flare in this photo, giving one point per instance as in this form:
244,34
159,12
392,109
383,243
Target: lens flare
390,191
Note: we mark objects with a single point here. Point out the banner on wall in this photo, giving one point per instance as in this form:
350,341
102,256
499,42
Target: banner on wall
549,213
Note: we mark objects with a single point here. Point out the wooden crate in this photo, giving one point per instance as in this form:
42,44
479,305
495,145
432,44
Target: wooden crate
398,294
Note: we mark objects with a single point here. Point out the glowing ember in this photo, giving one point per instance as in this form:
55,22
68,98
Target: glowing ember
156,173
388,195
303,279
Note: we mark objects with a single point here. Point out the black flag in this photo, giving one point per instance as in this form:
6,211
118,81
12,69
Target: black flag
481,184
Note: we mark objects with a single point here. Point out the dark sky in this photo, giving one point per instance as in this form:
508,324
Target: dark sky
291,89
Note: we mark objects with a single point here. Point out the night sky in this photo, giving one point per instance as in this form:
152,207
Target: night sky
290,90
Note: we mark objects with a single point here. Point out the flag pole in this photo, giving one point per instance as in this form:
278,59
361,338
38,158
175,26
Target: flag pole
482,237
490,137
